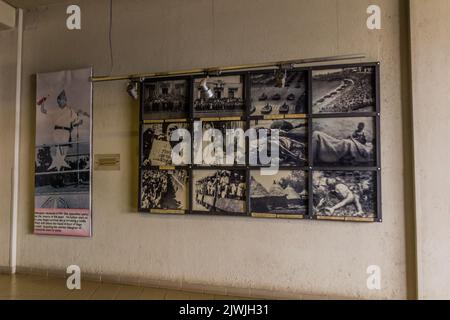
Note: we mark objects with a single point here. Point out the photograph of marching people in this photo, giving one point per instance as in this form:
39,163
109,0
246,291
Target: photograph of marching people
223,143
219,191
164,190
157,145
165,99
344,90
345,194
292,143
283,193
344,141
222,96
270,96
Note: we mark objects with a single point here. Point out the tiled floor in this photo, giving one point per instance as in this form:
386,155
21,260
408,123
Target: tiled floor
28,287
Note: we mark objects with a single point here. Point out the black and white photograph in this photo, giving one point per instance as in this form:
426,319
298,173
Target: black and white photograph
225,147
292,142
63,151
157,145
219,96
165,99
219,191
345,194
344,142
164,190
344,90
283,193
268,97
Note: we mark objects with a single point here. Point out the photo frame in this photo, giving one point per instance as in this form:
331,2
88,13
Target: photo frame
165,98
227,96
164,191
271,99
348,89
282,194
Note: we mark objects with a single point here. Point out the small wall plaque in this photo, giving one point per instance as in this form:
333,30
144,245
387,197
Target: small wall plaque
107,162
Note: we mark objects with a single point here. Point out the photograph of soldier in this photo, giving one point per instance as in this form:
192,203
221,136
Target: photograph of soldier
344,193
157,145
292,143
344,142
283,193
225,98
164,190
269,97
220,191
63,135
165,99
233,143
344,90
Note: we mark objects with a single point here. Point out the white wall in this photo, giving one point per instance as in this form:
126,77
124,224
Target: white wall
430,35
321,258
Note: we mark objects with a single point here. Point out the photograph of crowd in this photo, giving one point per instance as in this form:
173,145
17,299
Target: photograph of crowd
217,155
219,96
165,99
157,145
344,193
219,191
283,193
164,190
268,98
292,143
344,142
344,90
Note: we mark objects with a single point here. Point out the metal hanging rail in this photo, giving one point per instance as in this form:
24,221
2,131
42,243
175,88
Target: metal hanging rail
228,69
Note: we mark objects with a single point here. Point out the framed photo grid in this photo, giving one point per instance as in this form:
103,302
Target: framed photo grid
328,119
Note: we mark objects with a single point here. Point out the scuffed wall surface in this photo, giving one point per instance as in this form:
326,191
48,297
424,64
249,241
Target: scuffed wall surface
303,256
430,30
8,59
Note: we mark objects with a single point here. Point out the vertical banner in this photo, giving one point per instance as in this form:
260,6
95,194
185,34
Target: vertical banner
63,153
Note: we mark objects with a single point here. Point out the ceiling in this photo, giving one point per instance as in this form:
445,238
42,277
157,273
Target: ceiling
30,4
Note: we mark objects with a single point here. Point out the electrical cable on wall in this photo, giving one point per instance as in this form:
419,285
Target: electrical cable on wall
111,55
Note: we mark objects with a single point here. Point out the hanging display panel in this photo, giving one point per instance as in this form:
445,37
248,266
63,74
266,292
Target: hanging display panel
63,153
300,143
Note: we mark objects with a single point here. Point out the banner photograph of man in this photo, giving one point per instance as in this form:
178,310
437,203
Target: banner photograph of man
63,152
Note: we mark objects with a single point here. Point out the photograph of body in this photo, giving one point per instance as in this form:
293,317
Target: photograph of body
344,193
165,99
157,145
344,142
63,140
233,146
269,98
292,144
219,191
344,90
219,96
164,190
283,193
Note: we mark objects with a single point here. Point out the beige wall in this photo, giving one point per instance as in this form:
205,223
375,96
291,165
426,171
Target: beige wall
430,35
300,256
8,62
